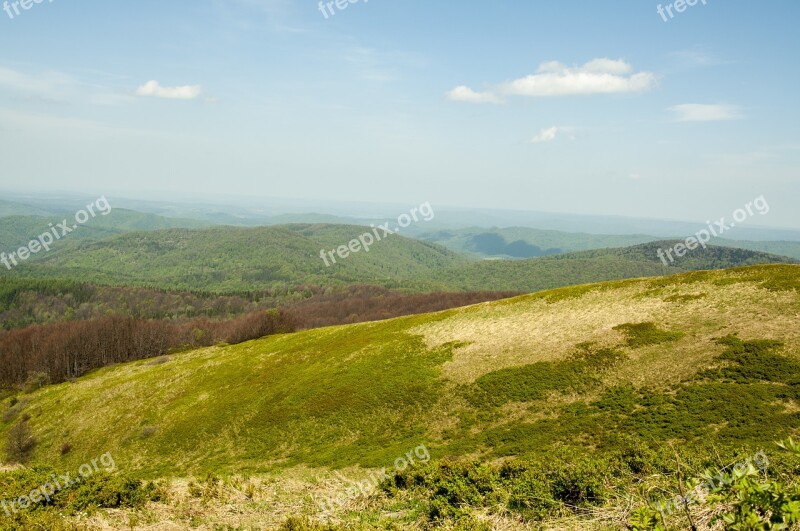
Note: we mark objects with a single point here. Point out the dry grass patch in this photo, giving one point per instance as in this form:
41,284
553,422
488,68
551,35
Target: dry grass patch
531,329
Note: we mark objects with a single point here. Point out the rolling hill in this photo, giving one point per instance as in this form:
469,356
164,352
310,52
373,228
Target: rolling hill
235,259
699,359
526,242
550,272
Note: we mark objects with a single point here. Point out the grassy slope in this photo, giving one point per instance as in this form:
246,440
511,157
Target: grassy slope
494,379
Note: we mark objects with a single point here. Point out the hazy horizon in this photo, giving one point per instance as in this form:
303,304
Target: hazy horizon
604,110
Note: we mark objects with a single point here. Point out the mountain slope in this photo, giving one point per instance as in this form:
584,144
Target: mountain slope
525,242
575,366
595,266
237,259
234,259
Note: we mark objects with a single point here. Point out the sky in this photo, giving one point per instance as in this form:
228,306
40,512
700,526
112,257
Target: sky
562,106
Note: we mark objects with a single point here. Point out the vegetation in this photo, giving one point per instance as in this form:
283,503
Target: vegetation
536,381
233,260
101,490
37,355
594,266
526,242
25,302
644,334
578,403
20,441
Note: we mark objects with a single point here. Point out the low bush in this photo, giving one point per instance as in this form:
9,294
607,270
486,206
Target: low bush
101,490
644,334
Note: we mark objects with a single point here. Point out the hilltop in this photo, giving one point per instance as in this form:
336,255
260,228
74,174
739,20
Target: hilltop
239,259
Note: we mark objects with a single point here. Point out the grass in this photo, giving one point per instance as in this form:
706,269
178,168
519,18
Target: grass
645,334
602,374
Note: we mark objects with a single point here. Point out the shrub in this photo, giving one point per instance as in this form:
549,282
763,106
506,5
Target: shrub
644,334
20,442
739,499
36,380
302,523
578,483
107,491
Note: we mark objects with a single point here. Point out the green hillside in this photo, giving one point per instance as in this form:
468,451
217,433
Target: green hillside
693,359
525,242
234,259
550,272
783,248
313,397
237,259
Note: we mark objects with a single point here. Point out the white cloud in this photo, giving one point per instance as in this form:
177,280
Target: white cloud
545,135
696,112
466,94
154,89
598,76
634,176
608,66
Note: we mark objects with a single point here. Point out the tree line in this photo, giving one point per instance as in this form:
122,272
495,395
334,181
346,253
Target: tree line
63,350
58,352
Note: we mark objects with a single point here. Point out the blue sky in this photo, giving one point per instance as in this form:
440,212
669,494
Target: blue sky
570,106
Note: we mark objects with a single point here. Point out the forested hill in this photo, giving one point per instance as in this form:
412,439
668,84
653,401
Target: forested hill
233,259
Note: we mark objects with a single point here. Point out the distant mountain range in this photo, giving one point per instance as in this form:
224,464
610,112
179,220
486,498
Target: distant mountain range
235,259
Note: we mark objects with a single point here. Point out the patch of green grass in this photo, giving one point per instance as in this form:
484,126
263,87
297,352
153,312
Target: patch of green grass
753,361
686,298
535,381
645,334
